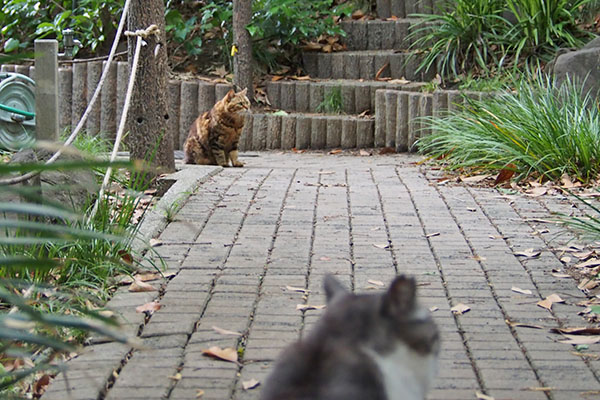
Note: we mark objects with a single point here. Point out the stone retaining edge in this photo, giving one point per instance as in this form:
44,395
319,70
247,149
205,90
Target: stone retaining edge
264,131
305,97
399,114
365,65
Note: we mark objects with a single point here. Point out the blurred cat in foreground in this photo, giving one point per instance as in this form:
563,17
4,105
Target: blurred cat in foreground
365,347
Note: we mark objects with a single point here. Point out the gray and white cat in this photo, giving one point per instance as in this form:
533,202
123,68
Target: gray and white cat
365,347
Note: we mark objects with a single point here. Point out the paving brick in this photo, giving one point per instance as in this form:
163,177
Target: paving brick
289,219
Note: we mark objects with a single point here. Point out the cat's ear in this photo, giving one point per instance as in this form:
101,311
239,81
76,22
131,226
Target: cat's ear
243,92
229,94
400,297
333,287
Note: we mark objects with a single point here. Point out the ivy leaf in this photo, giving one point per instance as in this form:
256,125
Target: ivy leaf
11,45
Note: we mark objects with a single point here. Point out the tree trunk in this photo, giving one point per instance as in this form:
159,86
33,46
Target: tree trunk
242,60
147,119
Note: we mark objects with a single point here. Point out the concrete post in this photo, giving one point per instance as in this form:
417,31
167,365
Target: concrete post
46,89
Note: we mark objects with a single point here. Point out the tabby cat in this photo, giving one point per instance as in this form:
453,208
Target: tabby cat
214,136
365,347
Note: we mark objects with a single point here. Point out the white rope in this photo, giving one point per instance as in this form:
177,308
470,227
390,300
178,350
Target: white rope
140,34
88,110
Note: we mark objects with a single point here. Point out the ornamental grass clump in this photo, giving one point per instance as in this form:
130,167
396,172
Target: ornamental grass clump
540,130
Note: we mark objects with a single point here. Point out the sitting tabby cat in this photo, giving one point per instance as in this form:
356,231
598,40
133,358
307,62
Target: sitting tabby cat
214,136
365,347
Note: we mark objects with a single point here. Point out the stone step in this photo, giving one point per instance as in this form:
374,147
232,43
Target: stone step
264,131
380,34
306,96
364,64
404,8
400,115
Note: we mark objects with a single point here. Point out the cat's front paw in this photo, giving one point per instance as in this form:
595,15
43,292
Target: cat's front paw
238,164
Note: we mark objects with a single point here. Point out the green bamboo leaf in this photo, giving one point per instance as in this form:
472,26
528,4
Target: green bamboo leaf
62,230
39,210
28,337
27,262
64,166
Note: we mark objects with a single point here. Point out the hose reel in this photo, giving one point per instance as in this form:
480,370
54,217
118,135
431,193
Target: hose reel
17,111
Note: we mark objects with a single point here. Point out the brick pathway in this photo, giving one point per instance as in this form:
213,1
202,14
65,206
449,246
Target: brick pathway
288,219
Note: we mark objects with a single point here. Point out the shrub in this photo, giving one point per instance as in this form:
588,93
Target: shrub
542,26
586,226
56,267
538,129
22,21
471,35
482,36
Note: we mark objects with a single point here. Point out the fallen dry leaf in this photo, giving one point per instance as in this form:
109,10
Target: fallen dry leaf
276,78
155,242
560,275
176,377
519,290
149,307
481,396
147,277
358,14
306,307
387,150
227,354
126,256
139,286
325,259
529,253
479,258
584,255
433,308
582,330
565,259
523,325
381,245
567,183
219,71
297,289
537,191
593,262
588,284
505,174
577,340
41,384
380,71
432,234
250,384
199,393
335,151
460,309
222,331
474,178
107,313
401,81
375,282
539,389
548,301
364,153
326,172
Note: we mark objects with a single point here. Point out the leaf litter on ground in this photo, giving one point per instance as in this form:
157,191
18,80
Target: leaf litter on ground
549,301
460,309
226,354
250,384
139,286
222,331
